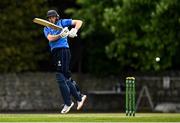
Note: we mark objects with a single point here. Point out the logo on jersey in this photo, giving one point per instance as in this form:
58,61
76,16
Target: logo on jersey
59,63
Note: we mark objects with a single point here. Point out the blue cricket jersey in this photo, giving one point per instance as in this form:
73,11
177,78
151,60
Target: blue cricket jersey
61,42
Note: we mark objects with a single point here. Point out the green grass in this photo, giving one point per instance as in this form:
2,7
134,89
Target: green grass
91,117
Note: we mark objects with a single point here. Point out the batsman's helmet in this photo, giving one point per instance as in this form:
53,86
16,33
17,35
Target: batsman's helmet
51,13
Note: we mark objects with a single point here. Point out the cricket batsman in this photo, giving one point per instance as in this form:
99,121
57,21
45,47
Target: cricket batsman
58,42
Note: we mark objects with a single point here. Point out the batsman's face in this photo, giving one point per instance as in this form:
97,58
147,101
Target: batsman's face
52,19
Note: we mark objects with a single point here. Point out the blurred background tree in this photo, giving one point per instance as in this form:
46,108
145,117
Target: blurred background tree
117,35
143,30
94,37
20,46
127,35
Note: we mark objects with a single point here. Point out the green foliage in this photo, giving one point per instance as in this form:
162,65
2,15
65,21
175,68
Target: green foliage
94,37
142,31
19,36
131,33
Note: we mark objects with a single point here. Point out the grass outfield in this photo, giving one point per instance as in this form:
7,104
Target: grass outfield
91,117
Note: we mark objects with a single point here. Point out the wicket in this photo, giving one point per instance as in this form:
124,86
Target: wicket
130,96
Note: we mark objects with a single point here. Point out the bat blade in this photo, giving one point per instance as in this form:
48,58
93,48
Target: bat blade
46,23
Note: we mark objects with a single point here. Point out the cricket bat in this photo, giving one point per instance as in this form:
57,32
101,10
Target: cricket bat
46,23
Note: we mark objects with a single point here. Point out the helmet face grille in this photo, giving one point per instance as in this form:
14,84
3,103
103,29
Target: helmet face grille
51,13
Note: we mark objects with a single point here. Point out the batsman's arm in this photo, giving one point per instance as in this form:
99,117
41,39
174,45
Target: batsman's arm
77,24
64,33
53,37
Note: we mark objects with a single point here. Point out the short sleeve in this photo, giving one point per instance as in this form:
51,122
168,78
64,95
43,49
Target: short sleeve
66,22
46,31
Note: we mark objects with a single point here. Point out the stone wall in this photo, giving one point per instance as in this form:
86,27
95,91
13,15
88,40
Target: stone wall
29,91
39,91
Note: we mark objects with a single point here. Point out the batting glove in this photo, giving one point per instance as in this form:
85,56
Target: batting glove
73,33
64,33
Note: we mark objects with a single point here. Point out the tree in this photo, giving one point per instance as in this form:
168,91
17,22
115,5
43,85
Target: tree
129,34
20,46
94,37
143,29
